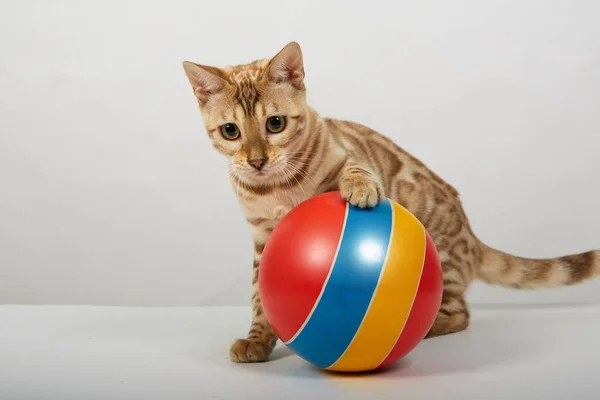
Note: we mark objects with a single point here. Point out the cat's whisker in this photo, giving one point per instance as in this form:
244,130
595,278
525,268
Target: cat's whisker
304,176
296,179
288,177
300,171
289,180
303,173
285,175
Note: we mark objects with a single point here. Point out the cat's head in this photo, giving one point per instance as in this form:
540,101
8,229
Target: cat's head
255,114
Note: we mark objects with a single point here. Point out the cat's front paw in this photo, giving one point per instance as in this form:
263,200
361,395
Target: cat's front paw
249,351
361,191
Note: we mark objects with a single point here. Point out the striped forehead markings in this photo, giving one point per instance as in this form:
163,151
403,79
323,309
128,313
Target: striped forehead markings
247,96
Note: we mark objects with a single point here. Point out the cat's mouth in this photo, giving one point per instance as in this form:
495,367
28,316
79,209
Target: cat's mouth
269,174
264,173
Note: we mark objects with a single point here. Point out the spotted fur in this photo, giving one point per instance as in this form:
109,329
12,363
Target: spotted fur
315,154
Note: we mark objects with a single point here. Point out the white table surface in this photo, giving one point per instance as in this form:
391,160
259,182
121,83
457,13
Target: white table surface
88,353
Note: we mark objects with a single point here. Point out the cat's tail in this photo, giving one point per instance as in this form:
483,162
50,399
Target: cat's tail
499,268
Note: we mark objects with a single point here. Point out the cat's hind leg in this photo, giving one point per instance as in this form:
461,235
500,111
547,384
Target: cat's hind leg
453,315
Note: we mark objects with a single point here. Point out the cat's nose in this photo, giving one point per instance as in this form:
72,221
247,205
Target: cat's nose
258,163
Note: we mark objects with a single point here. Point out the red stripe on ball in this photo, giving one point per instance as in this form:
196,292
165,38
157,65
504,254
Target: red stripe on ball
292,274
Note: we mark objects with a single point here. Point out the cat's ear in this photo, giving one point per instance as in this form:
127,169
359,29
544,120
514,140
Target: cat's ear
206,81
287,66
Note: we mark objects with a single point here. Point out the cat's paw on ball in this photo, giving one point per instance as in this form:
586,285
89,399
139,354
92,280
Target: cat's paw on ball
361,191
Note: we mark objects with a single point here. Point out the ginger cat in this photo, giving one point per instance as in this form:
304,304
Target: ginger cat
282,152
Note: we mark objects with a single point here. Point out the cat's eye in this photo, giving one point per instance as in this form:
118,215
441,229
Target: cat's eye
230,131
276,124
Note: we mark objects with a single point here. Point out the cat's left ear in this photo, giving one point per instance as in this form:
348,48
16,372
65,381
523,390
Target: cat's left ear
206,81
287,66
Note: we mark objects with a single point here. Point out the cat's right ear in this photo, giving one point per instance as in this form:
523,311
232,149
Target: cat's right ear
206,81
287,66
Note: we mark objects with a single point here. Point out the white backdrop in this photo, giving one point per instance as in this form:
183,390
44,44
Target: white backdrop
112,194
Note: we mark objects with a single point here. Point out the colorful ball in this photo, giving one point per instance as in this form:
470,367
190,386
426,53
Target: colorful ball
350,289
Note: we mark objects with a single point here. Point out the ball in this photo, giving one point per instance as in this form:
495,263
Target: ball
350,289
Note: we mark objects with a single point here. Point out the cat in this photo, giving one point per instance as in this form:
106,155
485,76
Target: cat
282,152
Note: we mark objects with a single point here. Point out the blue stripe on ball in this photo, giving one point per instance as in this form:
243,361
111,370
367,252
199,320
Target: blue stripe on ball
350,287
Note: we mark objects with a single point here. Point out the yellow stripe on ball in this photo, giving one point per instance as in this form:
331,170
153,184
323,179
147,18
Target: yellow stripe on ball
392,300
